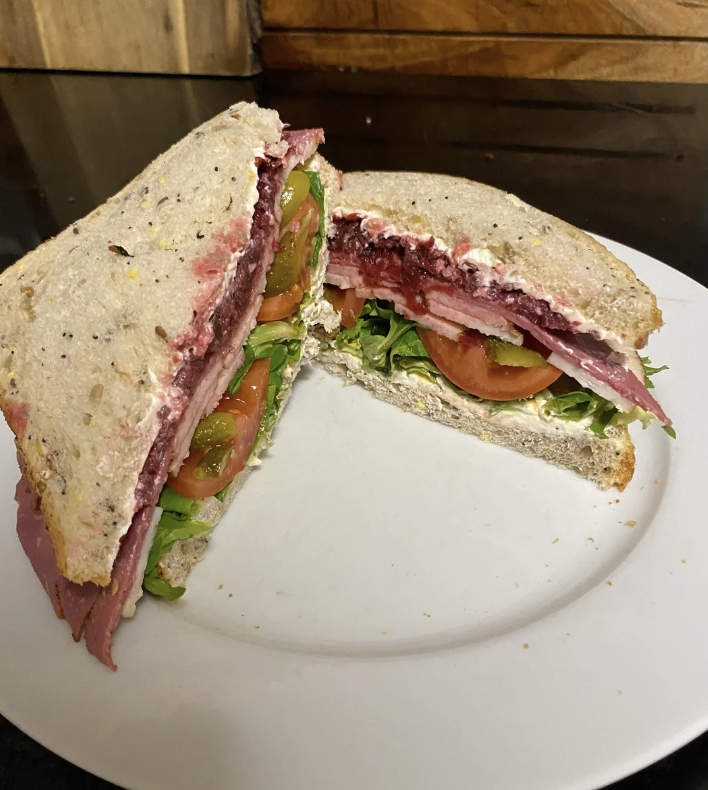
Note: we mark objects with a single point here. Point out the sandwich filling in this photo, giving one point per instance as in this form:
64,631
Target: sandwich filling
210,354
231,436
444,292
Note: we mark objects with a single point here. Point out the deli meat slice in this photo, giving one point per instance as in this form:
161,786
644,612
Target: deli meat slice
588,356
369,254
72,602
107,610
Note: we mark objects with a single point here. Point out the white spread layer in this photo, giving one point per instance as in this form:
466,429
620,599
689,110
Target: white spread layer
487,265
528,416
137,592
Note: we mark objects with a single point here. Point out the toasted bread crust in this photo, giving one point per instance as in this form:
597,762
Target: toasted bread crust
527,248
94,323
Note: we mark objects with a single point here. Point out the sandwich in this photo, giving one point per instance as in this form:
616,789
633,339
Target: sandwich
464,304
147,353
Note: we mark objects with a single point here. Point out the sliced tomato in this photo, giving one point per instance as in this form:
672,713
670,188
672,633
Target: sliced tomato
247,406
347,303
281,306
468,365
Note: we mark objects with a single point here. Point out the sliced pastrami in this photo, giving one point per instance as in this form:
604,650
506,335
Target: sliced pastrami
72,602
107,610
426,279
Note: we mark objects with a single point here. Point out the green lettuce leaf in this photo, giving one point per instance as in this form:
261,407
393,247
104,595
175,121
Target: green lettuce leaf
163,588
650,371
221,496
171,500
386,342
173,526
317,192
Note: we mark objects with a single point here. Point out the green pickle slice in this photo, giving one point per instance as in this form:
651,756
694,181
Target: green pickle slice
285,271
513,356
214,462
296,189
215,429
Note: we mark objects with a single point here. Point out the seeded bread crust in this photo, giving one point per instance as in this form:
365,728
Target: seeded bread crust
93,324
538,253
607,462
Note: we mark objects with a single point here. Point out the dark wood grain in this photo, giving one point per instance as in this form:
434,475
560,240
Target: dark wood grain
645,60
580,17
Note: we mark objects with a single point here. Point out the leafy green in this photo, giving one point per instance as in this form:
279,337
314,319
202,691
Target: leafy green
171,500
163,588
278,341
669,430
317,192
221,496
387,342
578,405
173,526
650,371
380,335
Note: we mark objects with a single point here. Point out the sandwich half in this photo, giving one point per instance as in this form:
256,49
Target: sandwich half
464,304
123,333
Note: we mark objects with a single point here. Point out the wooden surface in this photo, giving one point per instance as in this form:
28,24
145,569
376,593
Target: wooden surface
569,17
642,60
160,36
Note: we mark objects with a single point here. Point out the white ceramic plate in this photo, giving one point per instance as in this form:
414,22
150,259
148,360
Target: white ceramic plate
402,607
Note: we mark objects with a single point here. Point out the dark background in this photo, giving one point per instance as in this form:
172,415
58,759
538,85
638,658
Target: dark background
626,160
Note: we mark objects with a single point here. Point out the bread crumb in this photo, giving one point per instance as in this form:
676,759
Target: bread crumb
657,481
620,692
609,584
567,633
630,523
683,561
617,501
256,626
221,586
526,645
425,614
133,274
231,595
554,541
384,633
592,540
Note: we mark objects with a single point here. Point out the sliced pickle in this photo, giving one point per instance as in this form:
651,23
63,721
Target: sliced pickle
217,428
288,264
297,188
214,462
513,356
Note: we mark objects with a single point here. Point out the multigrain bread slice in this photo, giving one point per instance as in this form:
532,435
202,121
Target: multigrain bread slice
94,323
514,244
177,564
606,462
